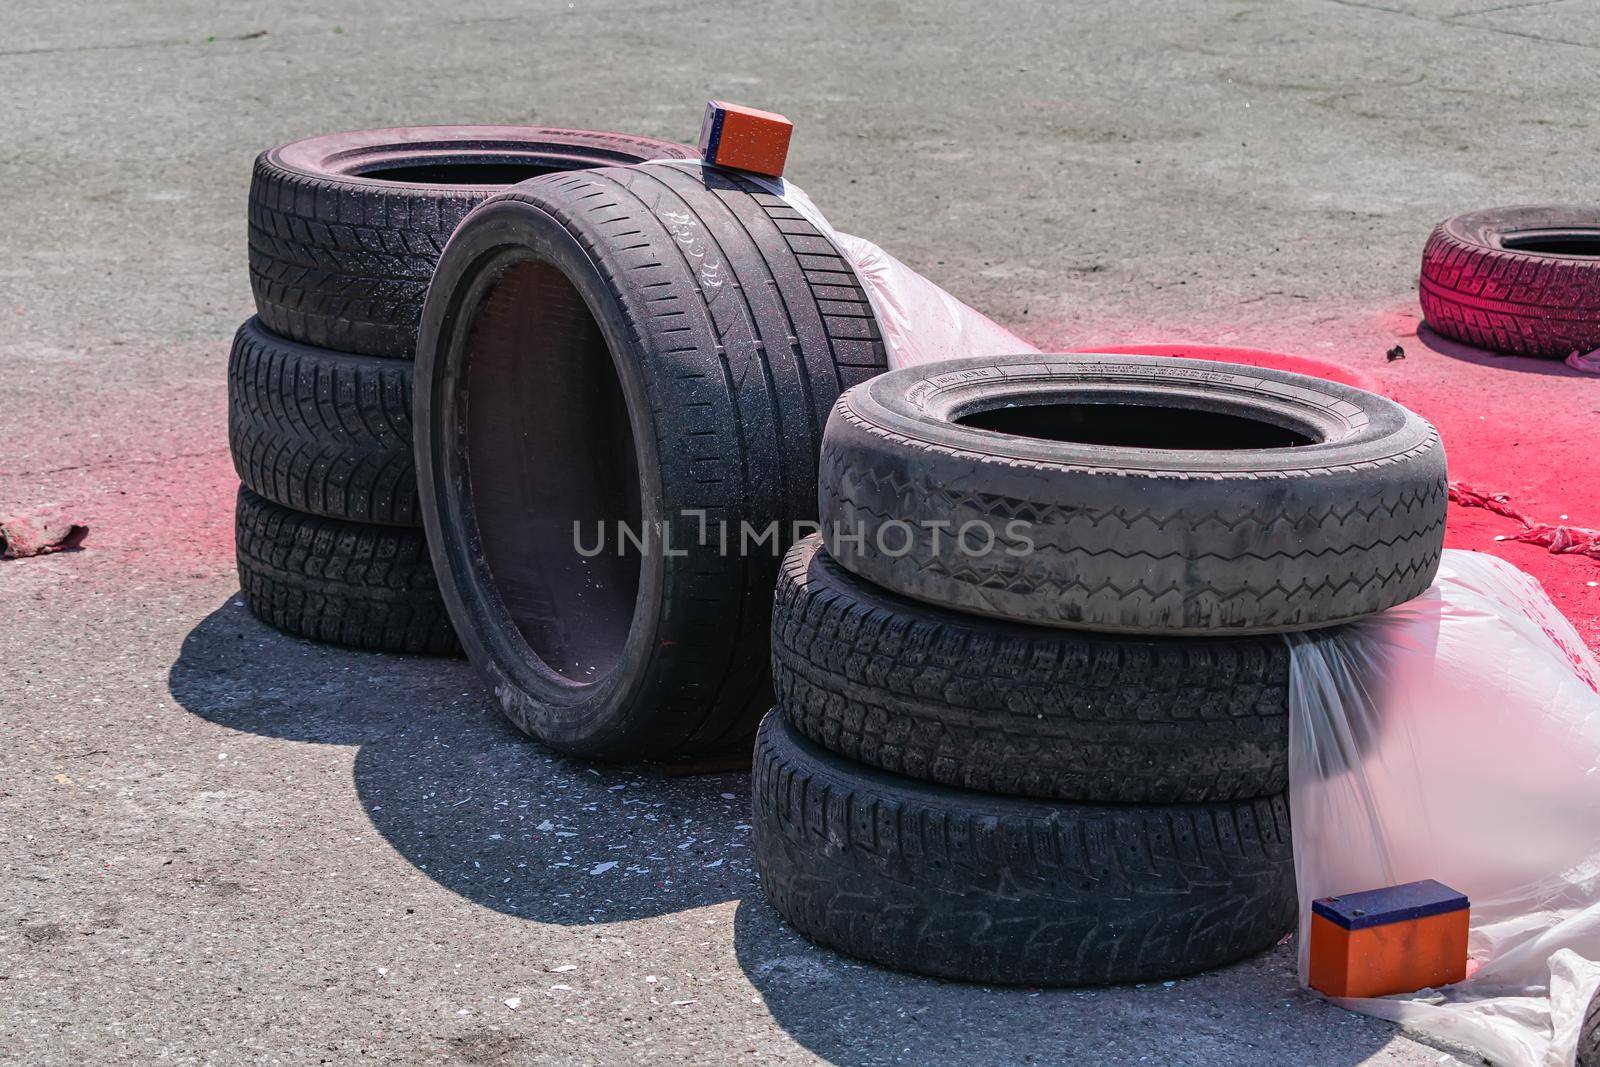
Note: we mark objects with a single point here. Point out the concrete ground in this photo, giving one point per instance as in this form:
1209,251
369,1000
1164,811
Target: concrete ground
222,844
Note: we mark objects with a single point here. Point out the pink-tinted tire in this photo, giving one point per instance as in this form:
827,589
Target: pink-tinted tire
1520,280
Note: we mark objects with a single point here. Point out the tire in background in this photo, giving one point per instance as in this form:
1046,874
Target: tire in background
346,583
345,228
1519,280
1025,710
1133,494
981,888
656,347
322,432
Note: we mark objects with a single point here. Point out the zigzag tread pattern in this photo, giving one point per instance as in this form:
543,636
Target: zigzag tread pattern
1024,711
962,885
322,432
364,586
1119,557
1407,506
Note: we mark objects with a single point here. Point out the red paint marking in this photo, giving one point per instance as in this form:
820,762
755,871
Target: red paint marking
1250,357
1523,426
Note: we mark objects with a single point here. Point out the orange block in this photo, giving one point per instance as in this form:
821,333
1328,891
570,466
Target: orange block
1394,940
745,139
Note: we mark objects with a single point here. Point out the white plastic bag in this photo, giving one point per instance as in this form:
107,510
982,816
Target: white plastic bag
1457,737
920,322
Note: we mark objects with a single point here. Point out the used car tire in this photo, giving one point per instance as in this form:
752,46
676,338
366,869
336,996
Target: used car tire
342,582
982,888
1589,1036
656,347
1520,280
1025,710
322,432
345,228
1133,494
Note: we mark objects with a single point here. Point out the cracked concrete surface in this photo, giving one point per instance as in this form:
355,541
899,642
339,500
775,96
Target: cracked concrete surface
222,844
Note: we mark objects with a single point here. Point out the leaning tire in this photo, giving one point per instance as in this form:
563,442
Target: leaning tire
345,228
1133,494
363,586
1025,710
993,889
1520,280
648,346
320,431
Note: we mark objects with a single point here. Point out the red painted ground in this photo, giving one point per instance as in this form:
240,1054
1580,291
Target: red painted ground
1529,428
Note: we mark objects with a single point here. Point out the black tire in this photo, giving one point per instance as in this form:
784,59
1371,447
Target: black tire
1520,280
652,345
342,582
1589,1036
345,228
1025,710
982,888
320,431
1133,494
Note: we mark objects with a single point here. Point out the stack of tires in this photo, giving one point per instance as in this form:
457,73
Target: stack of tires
345,232
1032,720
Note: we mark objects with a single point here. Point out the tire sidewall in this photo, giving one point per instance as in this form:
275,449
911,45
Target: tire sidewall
580,718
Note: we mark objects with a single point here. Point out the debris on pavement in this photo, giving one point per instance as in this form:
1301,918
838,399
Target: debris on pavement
1397,352
38,534
1588,363
1560,540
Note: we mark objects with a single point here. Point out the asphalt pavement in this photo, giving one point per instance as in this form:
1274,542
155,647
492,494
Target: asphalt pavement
221,844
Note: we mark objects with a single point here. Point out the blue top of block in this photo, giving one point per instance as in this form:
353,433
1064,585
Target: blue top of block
1393,904
711,130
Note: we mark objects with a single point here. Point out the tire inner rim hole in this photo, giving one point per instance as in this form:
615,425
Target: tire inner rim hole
551,466
457,173
1576,243
1135,426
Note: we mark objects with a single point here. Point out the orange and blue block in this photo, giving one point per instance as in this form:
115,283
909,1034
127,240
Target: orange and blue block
1394,940
744,138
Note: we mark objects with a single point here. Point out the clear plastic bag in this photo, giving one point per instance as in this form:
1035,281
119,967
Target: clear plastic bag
1457,737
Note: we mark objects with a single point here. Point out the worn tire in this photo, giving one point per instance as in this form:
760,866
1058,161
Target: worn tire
1178,496
322,432
994,889
1513,280
654,345
1589,1036
1025,710
340,256
342,582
